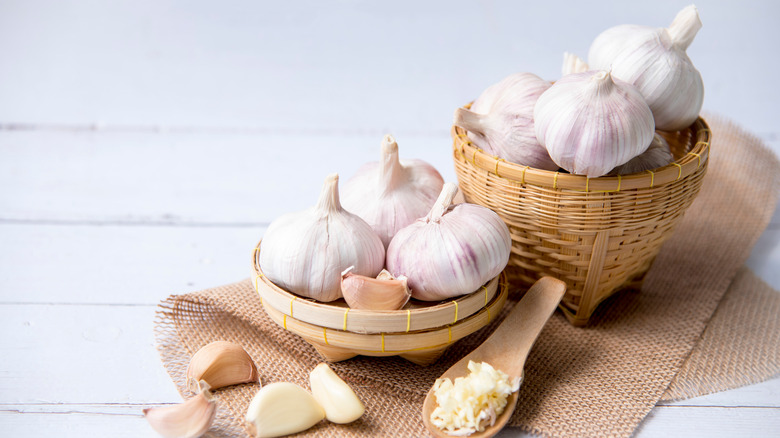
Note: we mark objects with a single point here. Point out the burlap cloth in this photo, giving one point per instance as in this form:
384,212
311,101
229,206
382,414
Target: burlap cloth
701,324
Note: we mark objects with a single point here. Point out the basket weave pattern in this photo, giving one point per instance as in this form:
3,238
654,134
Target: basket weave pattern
599,235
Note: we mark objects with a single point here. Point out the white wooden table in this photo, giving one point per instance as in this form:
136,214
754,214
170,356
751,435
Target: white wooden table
145,146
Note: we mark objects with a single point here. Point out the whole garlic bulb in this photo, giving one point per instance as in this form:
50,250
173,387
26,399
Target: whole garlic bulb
501,123
591,123
656,62
657,155
452,251
391,194
305,252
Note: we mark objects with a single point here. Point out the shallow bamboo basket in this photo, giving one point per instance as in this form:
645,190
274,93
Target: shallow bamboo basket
599,235
420,332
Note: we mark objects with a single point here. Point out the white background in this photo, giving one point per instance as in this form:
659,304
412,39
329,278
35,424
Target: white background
146,145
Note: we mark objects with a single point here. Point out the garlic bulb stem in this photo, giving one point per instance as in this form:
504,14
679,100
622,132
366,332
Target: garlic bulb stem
443,202
328,201
684,27
469,120
391,171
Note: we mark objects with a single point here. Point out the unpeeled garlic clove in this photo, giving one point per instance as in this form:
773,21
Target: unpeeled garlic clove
340,402
282,408
221,364
361,292
186,420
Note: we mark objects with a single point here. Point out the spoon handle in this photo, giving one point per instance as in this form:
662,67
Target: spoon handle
509,345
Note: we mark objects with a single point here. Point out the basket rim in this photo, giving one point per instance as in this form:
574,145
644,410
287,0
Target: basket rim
393,343
681,168
364,321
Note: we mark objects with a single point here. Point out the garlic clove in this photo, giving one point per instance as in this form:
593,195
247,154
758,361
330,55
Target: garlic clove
573,64
186,420
452,251
282,408
392,193
500,121
361,292
591,123
657,155
339,401
305,252
384,275
221,364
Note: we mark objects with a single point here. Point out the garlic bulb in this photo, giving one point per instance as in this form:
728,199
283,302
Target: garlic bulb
591,123
305,252
381,293
657,155
391,194
452,251
501,123
656,62
573,64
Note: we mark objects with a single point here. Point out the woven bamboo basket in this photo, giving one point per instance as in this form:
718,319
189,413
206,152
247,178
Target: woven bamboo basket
420,332
599,235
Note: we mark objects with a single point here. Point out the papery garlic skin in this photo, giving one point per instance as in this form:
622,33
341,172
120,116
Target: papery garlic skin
221,364
591,123
452,251
392,193
339,401
656,62
282,408
657,155
305,252
501,123
190,419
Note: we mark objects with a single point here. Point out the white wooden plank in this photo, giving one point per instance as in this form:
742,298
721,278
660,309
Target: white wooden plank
75,421
335,66
714,422
119,264
181,178
80,354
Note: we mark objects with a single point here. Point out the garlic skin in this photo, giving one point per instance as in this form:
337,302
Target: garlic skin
361,292
221,364
656,62
282,408
339,401
452,251
591,123
186,420
573,64
657,155
305,252
391,194
501,123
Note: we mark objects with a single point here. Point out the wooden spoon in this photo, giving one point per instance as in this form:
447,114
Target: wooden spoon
507,348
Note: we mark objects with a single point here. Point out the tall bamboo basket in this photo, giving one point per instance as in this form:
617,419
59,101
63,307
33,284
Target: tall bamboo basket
420,332
599,235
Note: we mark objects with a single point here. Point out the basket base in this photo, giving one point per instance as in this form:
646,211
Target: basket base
338,354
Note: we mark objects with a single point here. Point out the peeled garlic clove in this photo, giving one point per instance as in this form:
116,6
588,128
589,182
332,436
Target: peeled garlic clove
221,364
656,62
361,292
282,408
591,123
452,251
305,252
391,193
186,420
501,123
657,155
573,64
340,402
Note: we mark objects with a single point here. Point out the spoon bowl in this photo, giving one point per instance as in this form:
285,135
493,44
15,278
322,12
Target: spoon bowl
506,349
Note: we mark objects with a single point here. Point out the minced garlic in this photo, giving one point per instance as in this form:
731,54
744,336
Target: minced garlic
472,402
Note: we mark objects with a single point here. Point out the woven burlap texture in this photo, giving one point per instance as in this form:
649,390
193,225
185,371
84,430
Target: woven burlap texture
601,380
